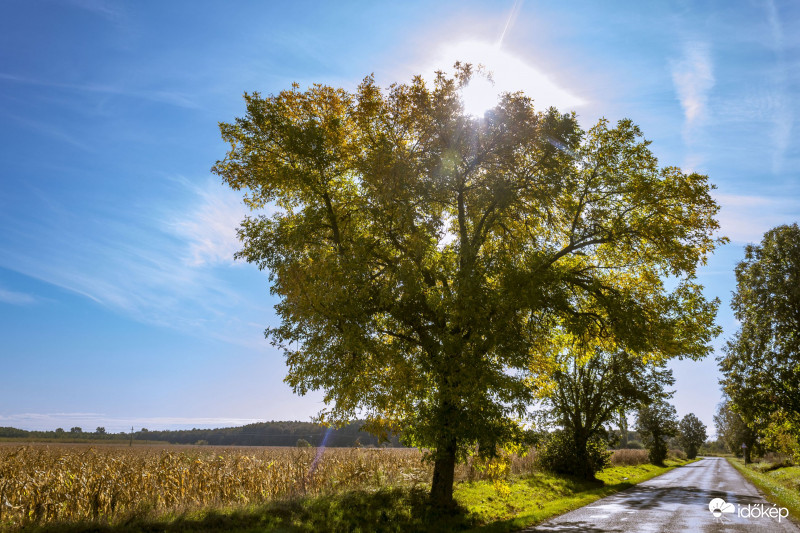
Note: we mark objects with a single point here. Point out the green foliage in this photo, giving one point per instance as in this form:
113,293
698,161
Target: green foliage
715,447
734,431
656,422
589,391
691,434
761,362
559,453
275,433
423,257
303,443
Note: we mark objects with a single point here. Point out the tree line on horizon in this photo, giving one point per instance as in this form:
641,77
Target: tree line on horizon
274,433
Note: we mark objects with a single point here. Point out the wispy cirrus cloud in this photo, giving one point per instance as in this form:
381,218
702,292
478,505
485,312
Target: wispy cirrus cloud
104,8
693,78
16,298
169,97
210,227
169,266
783,117
745,218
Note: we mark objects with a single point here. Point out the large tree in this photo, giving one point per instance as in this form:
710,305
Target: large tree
761,366
422,255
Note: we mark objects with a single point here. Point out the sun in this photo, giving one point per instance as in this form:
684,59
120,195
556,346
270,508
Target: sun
479,95
509,74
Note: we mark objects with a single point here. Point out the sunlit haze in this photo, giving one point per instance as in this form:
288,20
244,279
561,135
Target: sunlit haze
508,73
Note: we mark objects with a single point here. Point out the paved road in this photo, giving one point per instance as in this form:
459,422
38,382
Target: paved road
677,501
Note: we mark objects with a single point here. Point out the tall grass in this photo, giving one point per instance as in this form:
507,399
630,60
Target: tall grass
627,457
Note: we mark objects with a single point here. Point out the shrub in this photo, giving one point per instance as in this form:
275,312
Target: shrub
634,445
676,455
560,454
303,443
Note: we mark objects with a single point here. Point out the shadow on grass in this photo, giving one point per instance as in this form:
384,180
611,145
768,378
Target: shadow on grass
389,510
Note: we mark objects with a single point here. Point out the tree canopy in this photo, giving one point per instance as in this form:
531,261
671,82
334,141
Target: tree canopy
691,434
589,390
423,257
761,366
734,430
762,361
655,422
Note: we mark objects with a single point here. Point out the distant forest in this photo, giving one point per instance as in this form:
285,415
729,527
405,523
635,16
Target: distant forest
260,434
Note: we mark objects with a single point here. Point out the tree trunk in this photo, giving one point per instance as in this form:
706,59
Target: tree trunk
583,469
444,468
623,428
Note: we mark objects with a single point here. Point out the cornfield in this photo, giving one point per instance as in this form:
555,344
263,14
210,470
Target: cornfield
44,483
41,483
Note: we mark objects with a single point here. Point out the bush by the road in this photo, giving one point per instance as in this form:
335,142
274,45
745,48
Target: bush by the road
678,455
560,455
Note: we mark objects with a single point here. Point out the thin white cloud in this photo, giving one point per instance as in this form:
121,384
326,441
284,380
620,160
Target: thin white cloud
210,228
693,77
16,298
745,218
168,266
774,20
54,132
101,7
783,118
174,98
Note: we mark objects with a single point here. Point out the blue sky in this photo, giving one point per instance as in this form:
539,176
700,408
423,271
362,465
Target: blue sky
120,302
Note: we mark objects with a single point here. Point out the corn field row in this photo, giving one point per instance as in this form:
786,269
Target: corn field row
44,483
54,483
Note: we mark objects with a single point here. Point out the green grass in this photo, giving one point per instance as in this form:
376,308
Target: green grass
530,499
781,486
540,496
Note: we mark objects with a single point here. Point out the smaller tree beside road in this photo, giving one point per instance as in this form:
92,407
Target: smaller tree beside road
591,387
656,422
692,434
735,431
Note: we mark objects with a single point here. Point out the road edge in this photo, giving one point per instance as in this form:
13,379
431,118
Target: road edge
769,490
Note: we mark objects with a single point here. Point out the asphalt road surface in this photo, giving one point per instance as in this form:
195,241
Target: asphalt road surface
679,501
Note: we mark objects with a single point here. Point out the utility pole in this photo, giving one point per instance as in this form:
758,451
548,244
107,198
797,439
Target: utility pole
131,444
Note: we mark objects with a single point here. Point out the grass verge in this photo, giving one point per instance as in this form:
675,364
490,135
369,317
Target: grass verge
528,500
537,497
781,486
